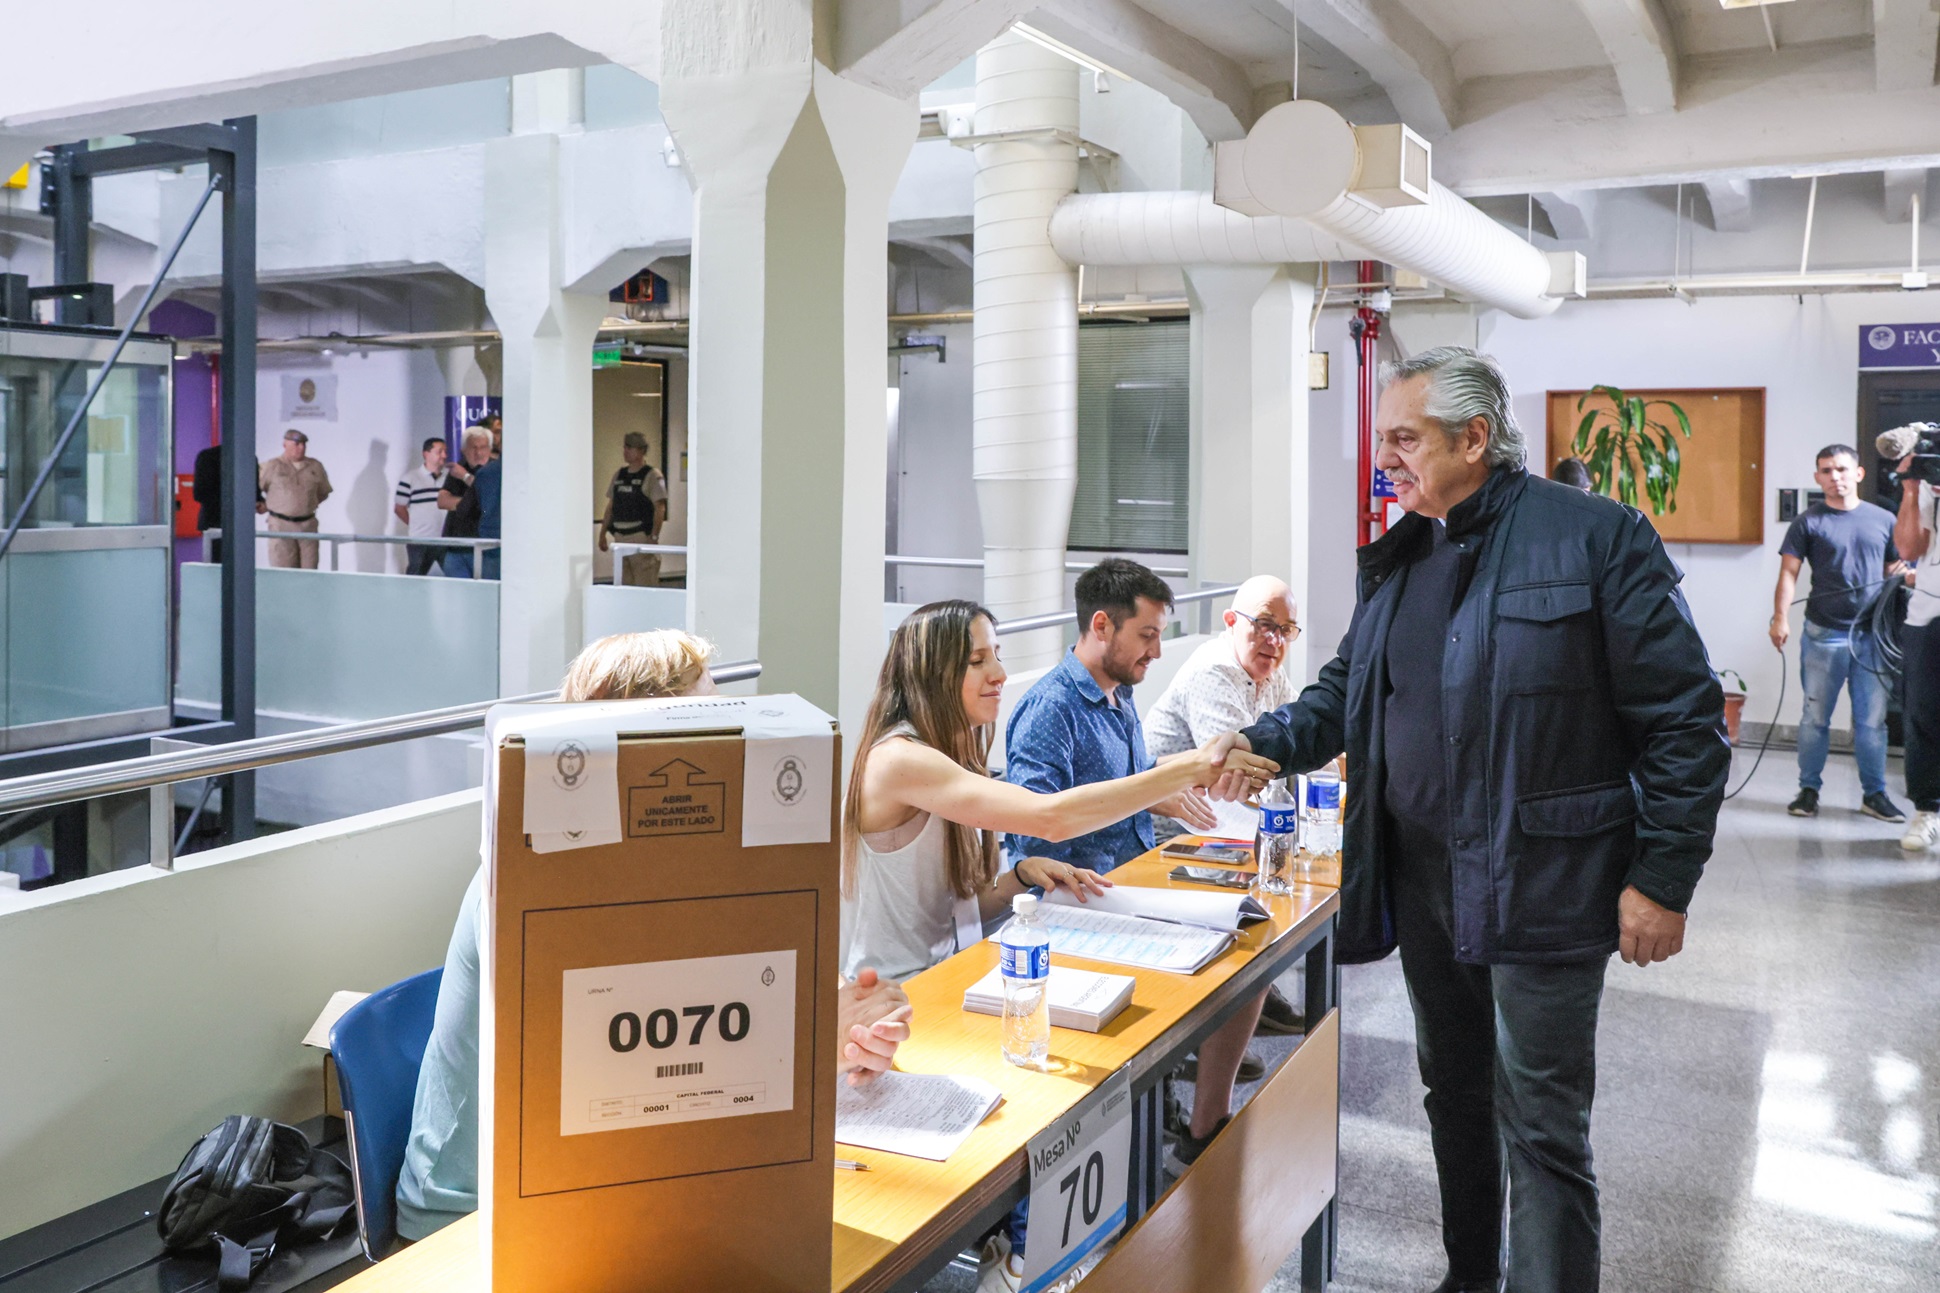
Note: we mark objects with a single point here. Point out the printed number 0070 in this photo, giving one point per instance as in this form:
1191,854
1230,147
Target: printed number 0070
662,1028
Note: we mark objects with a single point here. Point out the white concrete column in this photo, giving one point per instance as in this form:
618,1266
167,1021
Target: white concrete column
547,384
462,372
872,134
1025,398
792,172
1248,486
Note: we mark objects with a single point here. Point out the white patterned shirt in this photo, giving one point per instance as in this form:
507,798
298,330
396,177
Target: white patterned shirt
1209,696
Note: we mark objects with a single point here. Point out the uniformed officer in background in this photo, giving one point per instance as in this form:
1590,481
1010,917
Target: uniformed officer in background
636,508
293,487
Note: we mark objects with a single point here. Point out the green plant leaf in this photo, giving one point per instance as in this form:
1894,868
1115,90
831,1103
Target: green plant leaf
1581,443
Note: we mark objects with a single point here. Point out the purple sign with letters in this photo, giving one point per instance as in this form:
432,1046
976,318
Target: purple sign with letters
1899,345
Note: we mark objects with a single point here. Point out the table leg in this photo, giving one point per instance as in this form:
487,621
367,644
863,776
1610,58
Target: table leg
1148,1152
1317,1245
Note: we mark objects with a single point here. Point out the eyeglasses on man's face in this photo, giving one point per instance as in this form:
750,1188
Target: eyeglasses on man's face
1270,628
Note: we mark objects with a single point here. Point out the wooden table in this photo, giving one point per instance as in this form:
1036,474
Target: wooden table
900,1222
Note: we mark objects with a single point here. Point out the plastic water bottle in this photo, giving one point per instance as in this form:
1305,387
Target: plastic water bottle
1278,842
1024,952
1320,812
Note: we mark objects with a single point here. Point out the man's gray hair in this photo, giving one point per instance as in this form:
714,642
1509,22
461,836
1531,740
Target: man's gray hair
1463,386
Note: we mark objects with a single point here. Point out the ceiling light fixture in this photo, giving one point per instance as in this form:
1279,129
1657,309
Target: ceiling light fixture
1057,46
1751,4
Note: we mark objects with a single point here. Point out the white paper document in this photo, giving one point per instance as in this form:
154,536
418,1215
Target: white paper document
923,1115
1129,940
572,784
1225,911
786,783
677,1041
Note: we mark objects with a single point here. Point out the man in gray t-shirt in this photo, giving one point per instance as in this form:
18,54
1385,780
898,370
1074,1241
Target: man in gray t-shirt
1849,545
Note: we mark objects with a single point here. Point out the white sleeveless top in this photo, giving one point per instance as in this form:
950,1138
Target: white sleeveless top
906,919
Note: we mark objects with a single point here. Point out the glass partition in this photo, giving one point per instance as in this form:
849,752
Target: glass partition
84,591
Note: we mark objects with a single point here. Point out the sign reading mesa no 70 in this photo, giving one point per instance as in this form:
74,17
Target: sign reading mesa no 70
1899,345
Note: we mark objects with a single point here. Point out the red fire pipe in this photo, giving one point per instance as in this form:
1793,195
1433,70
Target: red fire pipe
1369,513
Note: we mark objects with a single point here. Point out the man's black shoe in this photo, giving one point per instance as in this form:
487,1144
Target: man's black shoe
1806,805
1278,1018
1878,805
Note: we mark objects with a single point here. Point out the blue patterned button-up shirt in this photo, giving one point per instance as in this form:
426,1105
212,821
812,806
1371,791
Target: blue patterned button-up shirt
1065,733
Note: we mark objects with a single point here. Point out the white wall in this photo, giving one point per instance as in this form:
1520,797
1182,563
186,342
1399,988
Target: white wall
148,1005
388,401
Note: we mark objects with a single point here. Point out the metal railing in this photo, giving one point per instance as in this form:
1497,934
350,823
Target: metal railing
479,547
1203,598
124,775
976,563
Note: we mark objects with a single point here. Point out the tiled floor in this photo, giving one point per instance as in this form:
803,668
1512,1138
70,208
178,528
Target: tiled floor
1769,1100
1767,1108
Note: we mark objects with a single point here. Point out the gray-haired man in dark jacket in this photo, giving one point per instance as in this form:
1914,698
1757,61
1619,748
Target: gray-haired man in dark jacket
1537,750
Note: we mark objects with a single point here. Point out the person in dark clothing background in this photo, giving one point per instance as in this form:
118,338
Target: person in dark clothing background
1536,742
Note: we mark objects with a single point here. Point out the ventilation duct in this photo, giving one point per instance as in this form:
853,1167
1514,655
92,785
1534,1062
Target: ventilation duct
1302,161
1025,383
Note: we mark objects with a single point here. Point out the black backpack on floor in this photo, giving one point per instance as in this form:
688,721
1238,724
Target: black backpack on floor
248,1186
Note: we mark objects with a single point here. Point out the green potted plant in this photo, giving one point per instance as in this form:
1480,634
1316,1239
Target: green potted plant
1733,683
1623,445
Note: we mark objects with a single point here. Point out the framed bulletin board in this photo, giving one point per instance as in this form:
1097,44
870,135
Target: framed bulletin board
1721,489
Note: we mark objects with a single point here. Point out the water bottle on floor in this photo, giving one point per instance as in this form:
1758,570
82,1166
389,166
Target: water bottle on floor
1024,957
1278,841
1320,812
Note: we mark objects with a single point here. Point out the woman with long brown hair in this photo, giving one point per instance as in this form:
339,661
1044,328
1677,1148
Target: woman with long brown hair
919,834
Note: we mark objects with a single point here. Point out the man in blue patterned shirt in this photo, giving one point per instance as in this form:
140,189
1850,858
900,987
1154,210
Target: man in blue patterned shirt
1077,724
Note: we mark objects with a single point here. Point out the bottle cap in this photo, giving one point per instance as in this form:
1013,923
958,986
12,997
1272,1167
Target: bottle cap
1024,904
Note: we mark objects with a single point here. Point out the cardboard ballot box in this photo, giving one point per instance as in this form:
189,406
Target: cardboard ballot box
658,1036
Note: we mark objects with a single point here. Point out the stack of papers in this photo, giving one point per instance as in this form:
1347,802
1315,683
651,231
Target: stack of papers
1152,929
923,1115
1081,999
1146,944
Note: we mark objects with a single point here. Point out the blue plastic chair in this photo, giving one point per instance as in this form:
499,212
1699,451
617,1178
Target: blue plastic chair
378,1046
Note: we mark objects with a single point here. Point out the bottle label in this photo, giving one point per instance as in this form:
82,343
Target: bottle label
1279,819
1025,961
1324,795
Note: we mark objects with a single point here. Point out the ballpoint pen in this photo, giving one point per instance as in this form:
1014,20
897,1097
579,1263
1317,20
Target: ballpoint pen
850,1165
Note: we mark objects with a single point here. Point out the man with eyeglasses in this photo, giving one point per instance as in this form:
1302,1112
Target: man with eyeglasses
1225,685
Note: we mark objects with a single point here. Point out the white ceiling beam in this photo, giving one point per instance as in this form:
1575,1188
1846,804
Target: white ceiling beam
1395,48
1637,37
1903,184
1807,109
1730,201
1572,215
1209,87
900,48
1906,35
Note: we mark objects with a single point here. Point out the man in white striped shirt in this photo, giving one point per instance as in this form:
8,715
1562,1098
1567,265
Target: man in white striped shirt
1225,685
416,504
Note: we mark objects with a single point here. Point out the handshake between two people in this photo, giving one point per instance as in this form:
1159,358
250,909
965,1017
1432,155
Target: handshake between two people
1223,768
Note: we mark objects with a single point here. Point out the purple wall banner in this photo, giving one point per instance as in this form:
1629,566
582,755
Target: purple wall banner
462,411
1899,345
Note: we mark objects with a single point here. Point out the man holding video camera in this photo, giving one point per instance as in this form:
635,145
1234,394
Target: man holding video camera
1915,447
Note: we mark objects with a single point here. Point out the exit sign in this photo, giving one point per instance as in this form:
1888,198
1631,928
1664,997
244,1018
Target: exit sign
605,356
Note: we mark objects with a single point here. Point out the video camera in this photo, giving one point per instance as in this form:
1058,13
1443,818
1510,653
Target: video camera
1922,440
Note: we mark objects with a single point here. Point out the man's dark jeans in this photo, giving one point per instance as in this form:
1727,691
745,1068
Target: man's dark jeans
1508,1054
1920,711
419,558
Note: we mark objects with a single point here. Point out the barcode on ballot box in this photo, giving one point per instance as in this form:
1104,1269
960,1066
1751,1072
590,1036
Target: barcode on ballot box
677,1070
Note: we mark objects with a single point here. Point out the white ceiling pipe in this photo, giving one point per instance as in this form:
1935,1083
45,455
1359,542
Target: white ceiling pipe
1302,160
1189,229
1184,229
1025,328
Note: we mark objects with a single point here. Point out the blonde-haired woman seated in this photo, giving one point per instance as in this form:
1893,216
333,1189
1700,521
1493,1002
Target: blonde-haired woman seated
439,1181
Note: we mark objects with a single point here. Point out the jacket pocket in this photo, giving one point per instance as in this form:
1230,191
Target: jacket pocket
1558,885
1543,638
1572,814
